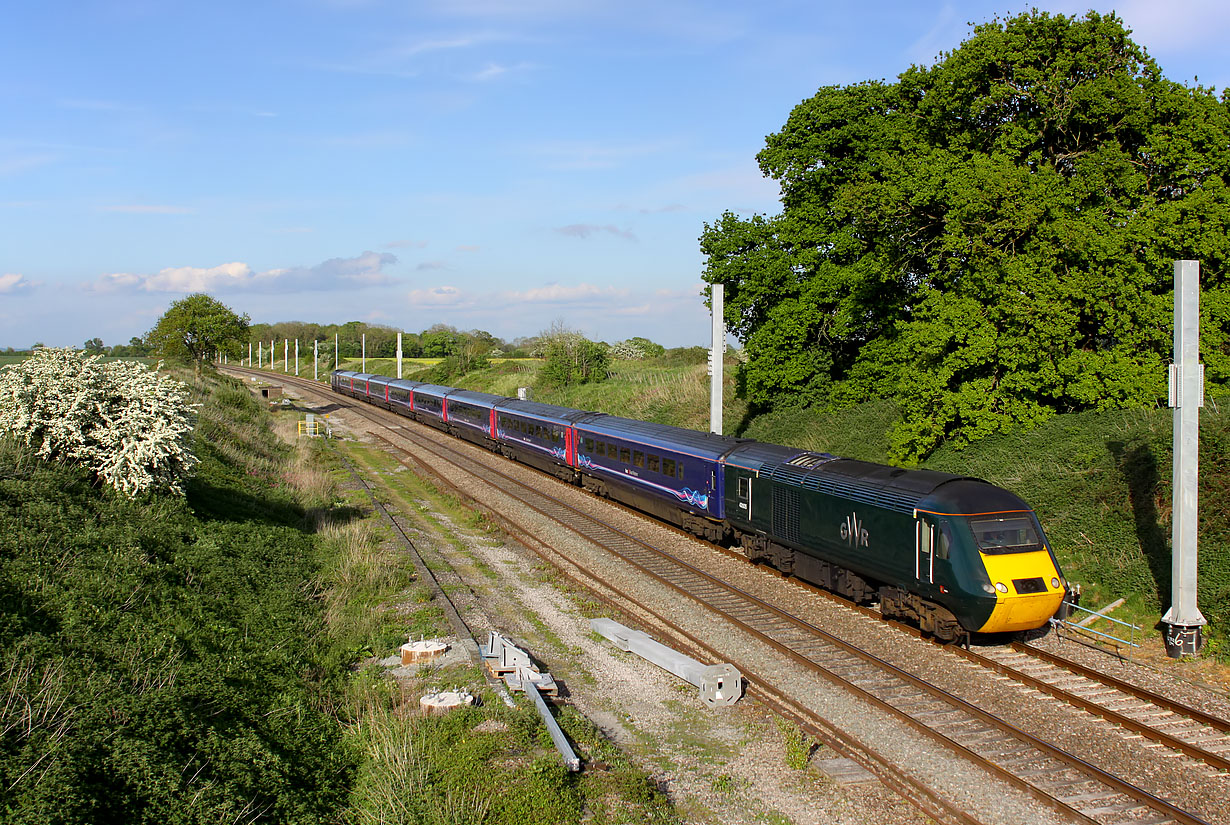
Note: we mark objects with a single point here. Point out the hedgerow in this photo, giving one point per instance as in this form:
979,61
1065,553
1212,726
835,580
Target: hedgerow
124,422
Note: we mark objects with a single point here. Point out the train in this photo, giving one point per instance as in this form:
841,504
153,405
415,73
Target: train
951,554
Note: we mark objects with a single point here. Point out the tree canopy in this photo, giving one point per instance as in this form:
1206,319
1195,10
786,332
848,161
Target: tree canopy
989,240
199,328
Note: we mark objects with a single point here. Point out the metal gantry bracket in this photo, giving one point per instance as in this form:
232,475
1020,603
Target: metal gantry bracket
720,684
512,664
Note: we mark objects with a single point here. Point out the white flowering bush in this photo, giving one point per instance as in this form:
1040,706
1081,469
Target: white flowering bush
627,351
127,423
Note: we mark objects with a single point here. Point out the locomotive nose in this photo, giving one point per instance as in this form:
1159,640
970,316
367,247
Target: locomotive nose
1028,590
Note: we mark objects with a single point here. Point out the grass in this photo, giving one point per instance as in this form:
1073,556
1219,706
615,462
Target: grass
488,763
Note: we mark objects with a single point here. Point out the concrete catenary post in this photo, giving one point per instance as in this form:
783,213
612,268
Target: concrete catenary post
1183,621
296,357
315,360
249,355
285,355
260,354
717,349
399,355
337,354
363,356
273,353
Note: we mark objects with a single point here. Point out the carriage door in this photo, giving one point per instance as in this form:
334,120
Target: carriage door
924,557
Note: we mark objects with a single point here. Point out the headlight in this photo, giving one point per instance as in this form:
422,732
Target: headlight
987,588
1055,583
1001,587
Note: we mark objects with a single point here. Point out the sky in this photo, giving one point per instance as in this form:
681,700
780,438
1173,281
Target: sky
488,164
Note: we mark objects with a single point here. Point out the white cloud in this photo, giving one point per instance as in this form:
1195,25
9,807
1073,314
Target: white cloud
560,294
405,244
578,295
584,230
438,296
224,277
13,283
336,273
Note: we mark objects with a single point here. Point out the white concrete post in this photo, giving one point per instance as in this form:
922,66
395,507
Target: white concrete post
1183,621
315,360
249,355
285,355
363,368
273,353
399,355
717,349
296,357
260,354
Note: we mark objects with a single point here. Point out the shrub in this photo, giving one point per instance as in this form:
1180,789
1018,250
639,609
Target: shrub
126,423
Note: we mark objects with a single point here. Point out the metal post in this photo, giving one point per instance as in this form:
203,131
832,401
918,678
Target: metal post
363,368
718,296
296,357
720,684
1183,621
399,355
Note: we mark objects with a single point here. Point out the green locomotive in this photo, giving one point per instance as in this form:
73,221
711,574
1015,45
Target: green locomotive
950,553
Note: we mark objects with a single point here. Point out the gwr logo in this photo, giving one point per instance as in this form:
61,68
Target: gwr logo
852,530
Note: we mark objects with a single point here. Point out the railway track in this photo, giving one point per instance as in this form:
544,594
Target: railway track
1078,790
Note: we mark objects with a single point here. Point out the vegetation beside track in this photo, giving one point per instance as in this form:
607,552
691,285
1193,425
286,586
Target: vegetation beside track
211,658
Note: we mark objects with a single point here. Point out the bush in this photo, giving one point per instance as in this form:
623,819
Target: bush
121,420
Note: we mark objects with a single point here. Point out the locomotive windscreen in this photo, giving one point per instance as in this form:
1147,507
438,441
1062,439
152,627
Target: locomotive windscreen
1013,534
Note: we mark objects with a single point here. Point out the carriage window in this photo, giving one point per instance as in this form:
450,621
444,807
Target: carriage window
601,445
556,436
638,458
625,455
668,466
745,487
654,463
679,467
589,445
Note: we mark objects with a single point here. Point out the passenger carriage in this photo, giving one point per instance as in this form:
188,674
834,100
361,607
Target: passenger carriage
540,435
471,415
399,395
670,472
428,403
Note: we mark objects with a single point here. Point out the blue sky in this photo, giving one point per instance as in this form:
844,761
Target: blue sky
491,164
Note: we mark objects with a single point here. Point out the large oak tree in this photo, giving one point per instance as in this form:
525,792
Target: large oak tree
989,239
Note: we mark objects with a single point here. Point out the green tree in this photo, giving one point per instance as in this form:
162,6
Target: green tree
94,346
989,239
199,328
571,358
